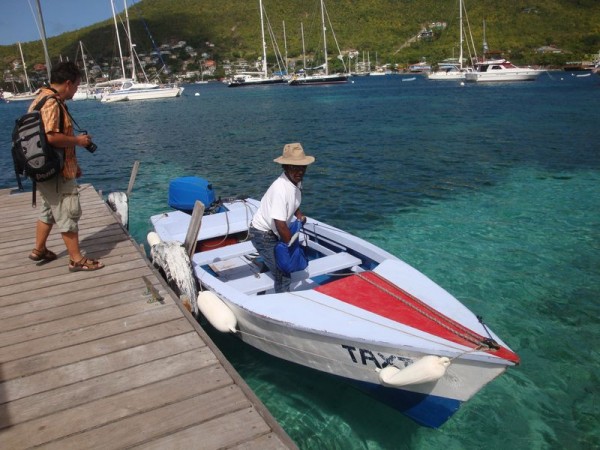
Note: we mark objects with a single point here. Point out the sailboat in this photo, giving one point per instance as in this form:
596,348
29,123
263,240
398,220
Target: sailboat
450,69
494,68
131,89
257,78
323,77
23,96
85,91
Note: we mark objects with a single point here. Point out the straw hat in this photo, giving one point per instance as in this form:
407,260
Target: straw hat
293,154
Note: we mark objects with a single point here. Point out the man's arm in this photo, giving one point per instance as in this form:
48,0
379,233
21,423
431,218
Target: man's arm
62,140
283,230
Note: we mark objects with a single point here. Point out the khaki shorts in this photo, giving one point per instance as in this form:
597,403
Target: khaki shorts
60,206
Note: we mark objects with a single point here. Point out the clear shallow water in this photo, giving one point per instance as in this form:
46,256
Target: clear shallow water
492,191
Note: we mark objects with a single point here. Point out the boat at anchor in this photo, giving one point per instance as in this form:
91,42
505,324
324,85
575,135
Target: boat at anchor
356,312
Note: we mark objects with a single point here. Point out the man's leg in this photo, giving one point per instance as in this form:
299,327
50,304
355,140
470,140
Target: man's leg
71,240
42,231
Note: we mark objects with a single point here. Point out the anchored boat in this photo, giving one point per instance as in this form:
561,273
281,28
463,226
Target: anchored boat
356,312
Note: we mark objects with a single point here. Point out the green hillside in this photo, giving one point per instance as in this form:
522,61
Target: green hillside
515,27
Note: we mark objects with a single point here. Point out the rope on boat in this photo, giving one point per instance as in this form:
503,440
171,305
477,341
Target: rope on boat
429,313
220,203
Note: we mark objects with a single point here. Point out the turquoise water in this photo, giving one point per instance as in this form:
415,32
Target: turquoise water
492,191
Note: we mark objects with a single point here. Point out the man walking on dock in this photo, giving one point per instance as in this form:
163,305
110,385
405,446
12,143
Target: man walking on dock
60,194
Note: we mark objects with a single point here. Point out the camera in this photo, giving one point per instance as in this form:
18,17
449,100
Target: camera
91,147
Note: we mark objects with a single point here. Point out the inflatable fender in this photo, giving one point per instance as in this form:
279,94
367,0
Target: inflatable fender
119,203
217,312
153,238
427,369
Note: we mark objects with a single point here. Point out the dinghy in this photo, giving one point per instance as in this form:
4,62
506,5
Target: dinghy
356,312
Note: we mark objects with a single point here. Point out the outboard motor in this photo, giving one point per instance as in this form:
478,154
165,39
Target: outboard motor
184,191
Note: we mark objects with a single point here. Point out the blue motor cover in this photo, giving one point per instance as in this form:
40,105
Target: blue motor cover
184,191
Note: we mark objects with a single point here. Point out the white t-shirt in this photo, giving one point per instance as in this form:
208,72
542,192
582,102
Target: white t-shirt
280,202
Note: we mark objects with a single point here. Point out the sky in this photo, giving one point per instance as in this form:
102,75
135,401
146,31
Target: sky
17,23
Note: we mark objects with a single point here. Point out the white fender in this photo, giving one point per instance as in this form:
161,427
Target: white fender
427,369
119,203
217,312
153,238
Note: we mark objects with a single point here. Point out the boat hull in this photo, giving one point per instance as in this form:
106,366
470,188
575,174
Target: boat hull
355,310
358,362
318,79
452,75
256,82
141,94
482,77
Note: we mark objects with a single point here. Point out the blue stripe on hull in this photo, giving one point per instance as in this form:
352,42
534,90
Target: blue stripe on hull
429,410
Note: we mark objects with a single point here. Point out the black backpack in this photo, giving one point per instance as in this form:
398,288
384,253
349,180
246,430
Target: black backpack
32,155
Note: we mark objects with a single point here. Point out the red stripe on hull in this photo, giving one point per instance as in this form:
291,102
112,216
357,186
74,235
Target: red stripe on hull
372,293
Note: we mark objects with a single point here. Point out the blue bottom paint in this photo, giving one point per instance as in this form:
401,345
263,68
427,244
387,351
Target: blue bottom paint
425,409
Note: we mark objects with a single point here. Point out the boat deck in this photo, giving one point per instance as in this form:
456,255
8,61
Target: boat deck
102,360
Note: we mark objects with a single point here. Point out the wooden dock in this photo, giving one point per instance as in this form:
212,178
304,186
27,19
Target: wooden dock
93,360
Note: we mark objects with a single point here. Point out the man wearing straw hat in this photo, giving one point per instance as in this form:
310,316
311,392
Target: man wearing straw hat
278,207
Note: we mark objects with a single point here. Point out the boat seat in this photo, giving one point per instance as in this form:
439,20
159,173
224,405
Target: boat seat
255,283
322,249
223,253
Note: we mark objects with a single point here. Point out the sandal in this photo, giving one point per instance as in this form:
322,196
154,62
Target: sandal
42,255
85,265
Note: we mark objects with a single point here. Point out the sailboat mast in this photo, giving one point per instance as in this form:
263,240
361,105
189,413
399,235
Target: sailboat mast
24,68
112,4
324,36
87,81
286,50
264,42
460,40
131,46
44,43
303,47
485,45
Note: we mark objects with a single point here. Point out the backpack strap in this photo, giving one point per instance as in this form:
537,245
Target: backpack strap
61,107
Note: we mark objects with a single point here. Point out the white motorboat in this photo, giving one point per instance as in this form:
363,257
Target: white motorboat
501,70
356,312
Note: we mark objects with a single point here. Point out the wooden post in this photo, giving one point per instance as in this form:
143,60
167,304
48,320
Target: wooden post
192,233
134,171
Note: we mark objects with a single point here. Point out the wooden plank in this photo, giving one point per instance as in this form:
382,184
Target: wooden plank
85,358
85,369
59,357
121,288
160,422
106,386
68,337
72,323
238,427
192,233
116,407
